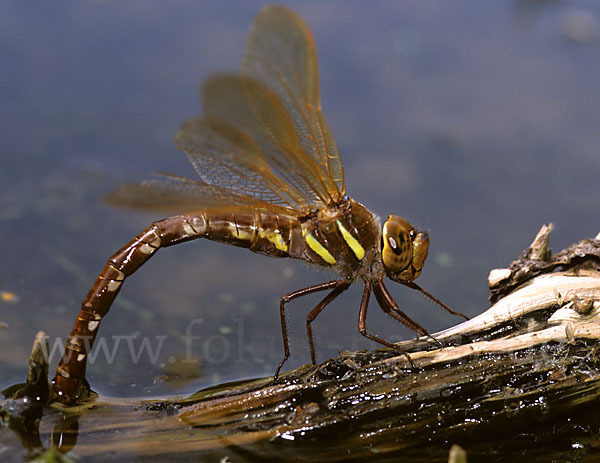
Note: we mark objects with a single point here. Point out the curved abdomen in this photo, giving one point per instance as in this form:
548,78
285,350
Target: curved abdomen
335,238
270,234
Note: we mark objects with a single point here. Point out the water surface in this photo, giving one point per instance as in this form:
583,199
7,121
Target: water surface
475,120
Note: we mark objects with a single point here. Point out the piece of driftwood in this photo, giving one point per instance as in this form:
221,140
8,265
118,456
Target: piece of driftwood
521,380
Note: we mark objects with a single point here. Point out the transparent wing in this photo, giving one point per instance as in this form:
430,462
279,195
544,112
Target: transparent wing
230,147
177,194
263,141
280,54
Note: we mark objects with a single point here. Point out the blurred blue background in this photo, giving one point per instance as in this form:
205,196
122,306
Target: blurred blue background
478,121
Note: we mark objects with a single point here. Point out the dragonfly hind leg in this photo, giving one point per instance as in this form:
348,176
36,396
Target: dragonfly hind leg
337,286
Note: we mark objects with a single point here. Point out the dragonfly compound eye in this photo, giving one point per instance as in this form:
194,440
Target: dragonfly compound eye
397,249
403,250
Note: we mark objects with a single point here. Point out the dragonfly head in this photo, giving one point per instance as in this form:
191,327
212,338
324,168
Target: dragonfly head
403,249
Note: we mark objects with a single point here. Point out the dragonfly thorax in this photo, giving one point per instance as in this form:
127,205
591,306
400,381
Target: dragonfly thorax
344,237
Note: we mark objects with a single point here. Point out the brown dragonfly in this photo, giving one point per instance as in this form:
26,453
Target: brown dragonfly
270,180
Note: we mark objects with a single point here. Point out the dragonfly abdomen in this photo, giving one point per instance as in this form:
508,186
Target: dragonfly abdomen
266,233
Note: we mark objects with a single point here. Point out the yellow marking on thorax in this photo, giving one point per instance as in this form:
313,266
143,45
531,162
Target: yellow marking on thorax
317,247
356,247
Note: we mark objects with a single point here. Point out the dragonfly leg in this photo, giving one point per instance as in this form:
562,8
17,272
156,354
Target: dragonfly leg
389,306
316,311
338,287
362,323
413,285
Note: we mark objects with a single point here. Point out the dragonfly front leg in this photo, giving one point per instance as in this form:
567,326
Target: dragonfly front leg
362,322
389,306
69,381
413,285
339,286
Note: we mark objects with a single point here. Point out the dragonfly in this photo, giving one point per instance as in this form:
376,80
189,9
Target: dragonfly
270,179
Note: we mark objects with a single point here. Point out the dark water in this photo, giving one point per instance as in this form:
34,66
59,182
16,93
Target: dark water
476,120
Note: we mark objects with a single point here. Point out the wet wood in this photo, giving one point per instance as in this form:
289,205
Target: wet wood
521,379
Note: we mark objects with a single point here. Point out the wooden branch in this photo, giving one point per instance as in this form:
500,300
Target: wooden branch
522,377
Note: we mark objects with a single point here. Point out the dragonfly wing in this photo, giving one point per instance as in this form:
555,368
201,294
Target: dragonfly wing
231,135
235,159
280,54
263,140
177,194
